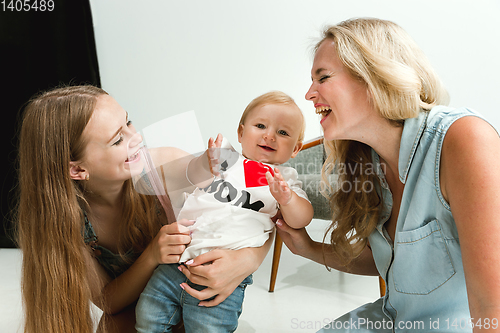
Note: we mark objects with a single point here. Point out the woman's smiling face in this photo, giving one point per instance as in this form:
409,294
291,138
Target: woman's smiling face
341,99
112,150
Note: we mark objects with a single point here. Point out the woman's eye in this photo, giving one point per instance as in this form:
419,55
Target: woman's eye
282,132
323,78
120,140
129,122
260,126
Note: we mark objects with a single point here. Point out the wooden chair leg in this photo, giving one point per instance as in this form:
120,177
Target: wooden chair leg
278,243
381,283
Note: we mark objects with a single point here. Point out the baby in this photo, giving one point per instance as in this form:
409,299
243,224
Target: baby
233,211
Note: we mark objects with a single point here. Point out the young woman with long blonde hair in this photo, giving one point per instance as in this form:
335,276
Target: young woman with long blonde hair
416,200
85,234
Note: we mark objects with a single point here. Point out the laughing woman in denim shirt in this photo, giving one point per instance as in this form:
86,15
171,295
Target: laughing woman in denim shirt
425,215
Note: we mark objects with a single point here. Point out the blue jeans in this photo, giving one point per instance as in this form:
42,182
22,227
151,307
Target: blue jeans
368,318
163,303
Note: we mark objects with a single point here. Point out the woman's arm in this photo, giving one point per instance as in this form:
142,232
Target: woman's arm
470,182
183,170
227,270
300,243
165,248
172,164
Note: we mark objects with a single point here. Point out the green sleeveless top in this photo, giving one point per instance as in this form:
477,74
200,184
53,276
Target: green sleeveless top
113,263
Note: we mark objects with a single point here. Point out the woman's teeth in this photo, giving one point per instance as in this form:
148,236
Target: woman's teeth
323,110
133,157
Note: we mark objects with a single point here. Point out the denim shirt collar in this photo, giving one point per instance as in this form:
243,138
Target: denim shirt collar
412,131
410,138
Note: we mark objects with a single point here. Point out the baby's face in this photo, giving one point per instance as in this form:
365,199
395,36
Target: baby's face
270,133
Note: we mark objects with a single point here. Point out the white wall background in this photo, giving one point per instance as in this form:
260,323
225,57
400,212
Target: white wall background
159,58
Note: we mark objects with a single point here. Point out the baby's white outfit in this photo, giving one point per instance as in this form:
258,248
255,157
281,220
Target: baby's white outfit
234,211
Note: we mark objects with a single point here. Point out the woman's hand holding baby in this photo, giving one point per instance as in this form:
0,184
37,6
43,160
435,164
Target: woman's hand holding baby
221,271
169,243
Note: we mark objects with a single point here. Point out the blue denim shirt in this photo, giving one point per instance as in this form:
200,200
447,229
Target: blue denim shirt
423,266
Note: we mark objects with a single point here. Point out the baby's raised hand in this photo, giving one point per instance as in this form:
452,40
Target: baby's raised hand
213,153
279,187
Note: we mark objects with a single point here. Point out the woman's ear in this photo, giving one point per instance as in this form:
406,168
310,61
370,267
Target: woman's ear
297,148
76,172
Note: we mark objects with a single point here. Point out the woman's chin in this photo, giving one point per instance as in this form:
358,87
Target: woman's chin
135,168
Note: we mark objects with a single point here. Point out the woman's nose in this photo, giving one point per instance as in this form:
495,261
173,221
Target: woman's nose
135,140
311,93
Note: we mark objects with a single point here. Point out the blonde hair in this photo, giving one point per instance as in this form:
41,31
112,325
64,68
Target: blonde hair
56,270
401,83
273,97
